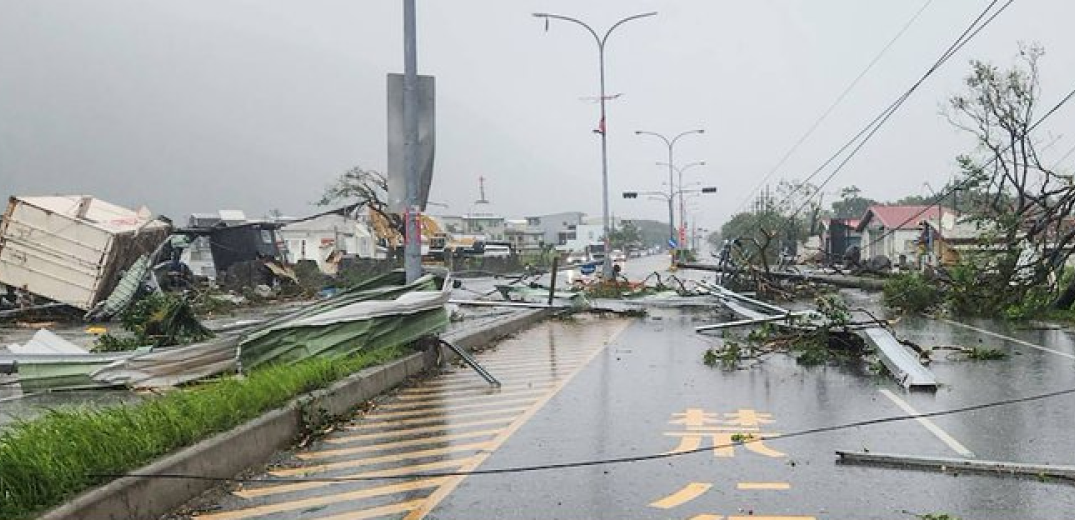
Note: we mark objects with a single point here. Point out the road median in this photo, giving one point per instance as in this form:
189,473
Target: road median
164,485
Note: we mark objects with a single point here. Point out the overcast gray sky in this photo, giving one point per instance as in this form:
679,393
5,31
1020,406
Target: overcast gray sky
198,105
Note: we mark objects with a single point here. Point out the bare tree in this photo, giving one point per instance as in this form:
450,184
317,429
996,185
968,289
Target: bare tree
366,188
1027,203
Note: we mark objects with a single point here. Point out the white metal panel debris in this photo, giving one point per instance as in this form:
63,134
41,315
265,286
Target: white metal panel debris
71,249
899,360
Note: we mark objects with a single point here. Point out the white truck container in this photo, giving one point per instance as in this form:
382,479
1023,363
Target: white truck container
72,249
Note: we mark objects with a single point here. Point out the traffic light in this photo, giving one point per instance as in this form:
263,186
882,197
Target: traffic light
630,194
709,189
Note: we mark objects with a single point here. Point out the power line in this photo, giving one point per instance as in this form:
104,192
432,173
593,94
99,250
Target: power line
875,125
817,123
968,181
1064,157
610,461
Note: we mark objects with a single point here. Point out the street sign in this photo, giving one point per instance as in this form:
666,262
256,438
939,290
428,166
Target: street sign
397,179
672,243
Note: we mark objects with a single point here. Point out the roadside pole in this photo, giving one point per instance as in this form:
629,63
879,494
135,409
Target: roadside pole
412,249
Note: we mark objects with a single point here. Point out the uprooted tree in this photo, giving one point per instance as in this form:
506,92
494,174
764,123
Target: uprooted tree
1020,200
777,221
365,188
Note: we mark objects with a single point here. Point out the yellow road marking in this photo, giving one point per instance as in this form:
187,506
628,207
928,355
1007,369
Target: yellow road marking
477,392
706,517
412,431
442,419
374,512
441,402
442,492
538,361
301,486
543,368
427,388
393,445
357,463
763,486
479,383
325,500
530,354
509,381
499,369
440,410
517,372
689,492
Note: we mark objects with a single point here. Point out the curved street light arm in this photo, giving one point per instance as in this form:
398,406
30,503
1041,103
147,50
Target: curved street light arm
681,169
600,42
623,21
655,134
688,132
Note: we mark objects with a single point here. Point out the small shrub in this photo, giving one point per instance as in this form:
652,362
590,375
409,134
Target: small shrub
727,357
911,292
159,319
1035,303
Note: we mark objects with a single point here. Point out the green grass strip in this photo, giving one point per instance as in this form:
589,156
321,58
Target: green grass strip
45,461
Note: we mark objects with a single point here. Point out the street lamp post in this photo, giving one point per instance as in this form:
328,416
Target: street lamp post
682,206
601,40
671,143
671,195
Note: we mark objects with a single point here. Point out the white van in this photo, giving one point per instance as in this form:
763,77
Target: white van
496,251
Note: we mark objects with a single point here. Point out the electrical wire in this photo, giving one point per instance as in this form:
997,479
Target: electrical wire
839,99
608,461
968,181
864,135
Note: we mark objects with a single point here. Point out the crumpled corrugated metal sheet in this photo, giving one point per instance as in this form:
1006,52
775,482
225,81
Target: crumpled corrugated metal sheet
173,365
382,311
360,319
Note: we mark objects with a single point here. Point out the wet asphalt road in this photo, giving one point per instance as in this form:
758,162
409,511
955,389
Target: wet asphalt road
623,403
594,389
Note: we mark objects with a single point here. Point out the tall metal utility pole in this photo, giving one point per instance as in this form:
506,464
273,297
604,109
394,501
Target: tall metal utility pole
412,241
603,130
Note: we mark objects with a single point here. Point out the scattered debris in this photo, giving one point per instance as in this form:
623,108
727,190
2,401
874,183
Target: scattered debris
384,311
953,465
814,337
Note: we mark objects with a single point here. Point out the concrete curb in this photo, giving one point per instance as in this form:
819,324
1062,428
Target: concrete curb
229,453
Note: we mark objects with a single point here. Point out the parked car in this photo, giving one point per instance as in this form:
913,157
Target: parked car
618,256
577,257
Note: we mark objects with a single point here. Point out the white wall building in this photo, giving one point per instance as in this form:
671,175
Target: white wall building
318,238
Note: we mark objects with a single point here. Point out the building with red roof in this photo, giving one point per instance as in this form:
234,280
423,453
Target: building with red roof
896,231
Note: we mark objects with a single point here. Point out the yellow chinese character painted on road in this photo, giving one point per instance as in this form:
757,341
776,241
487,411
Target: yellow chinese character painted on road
695,418
743,426
746,418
